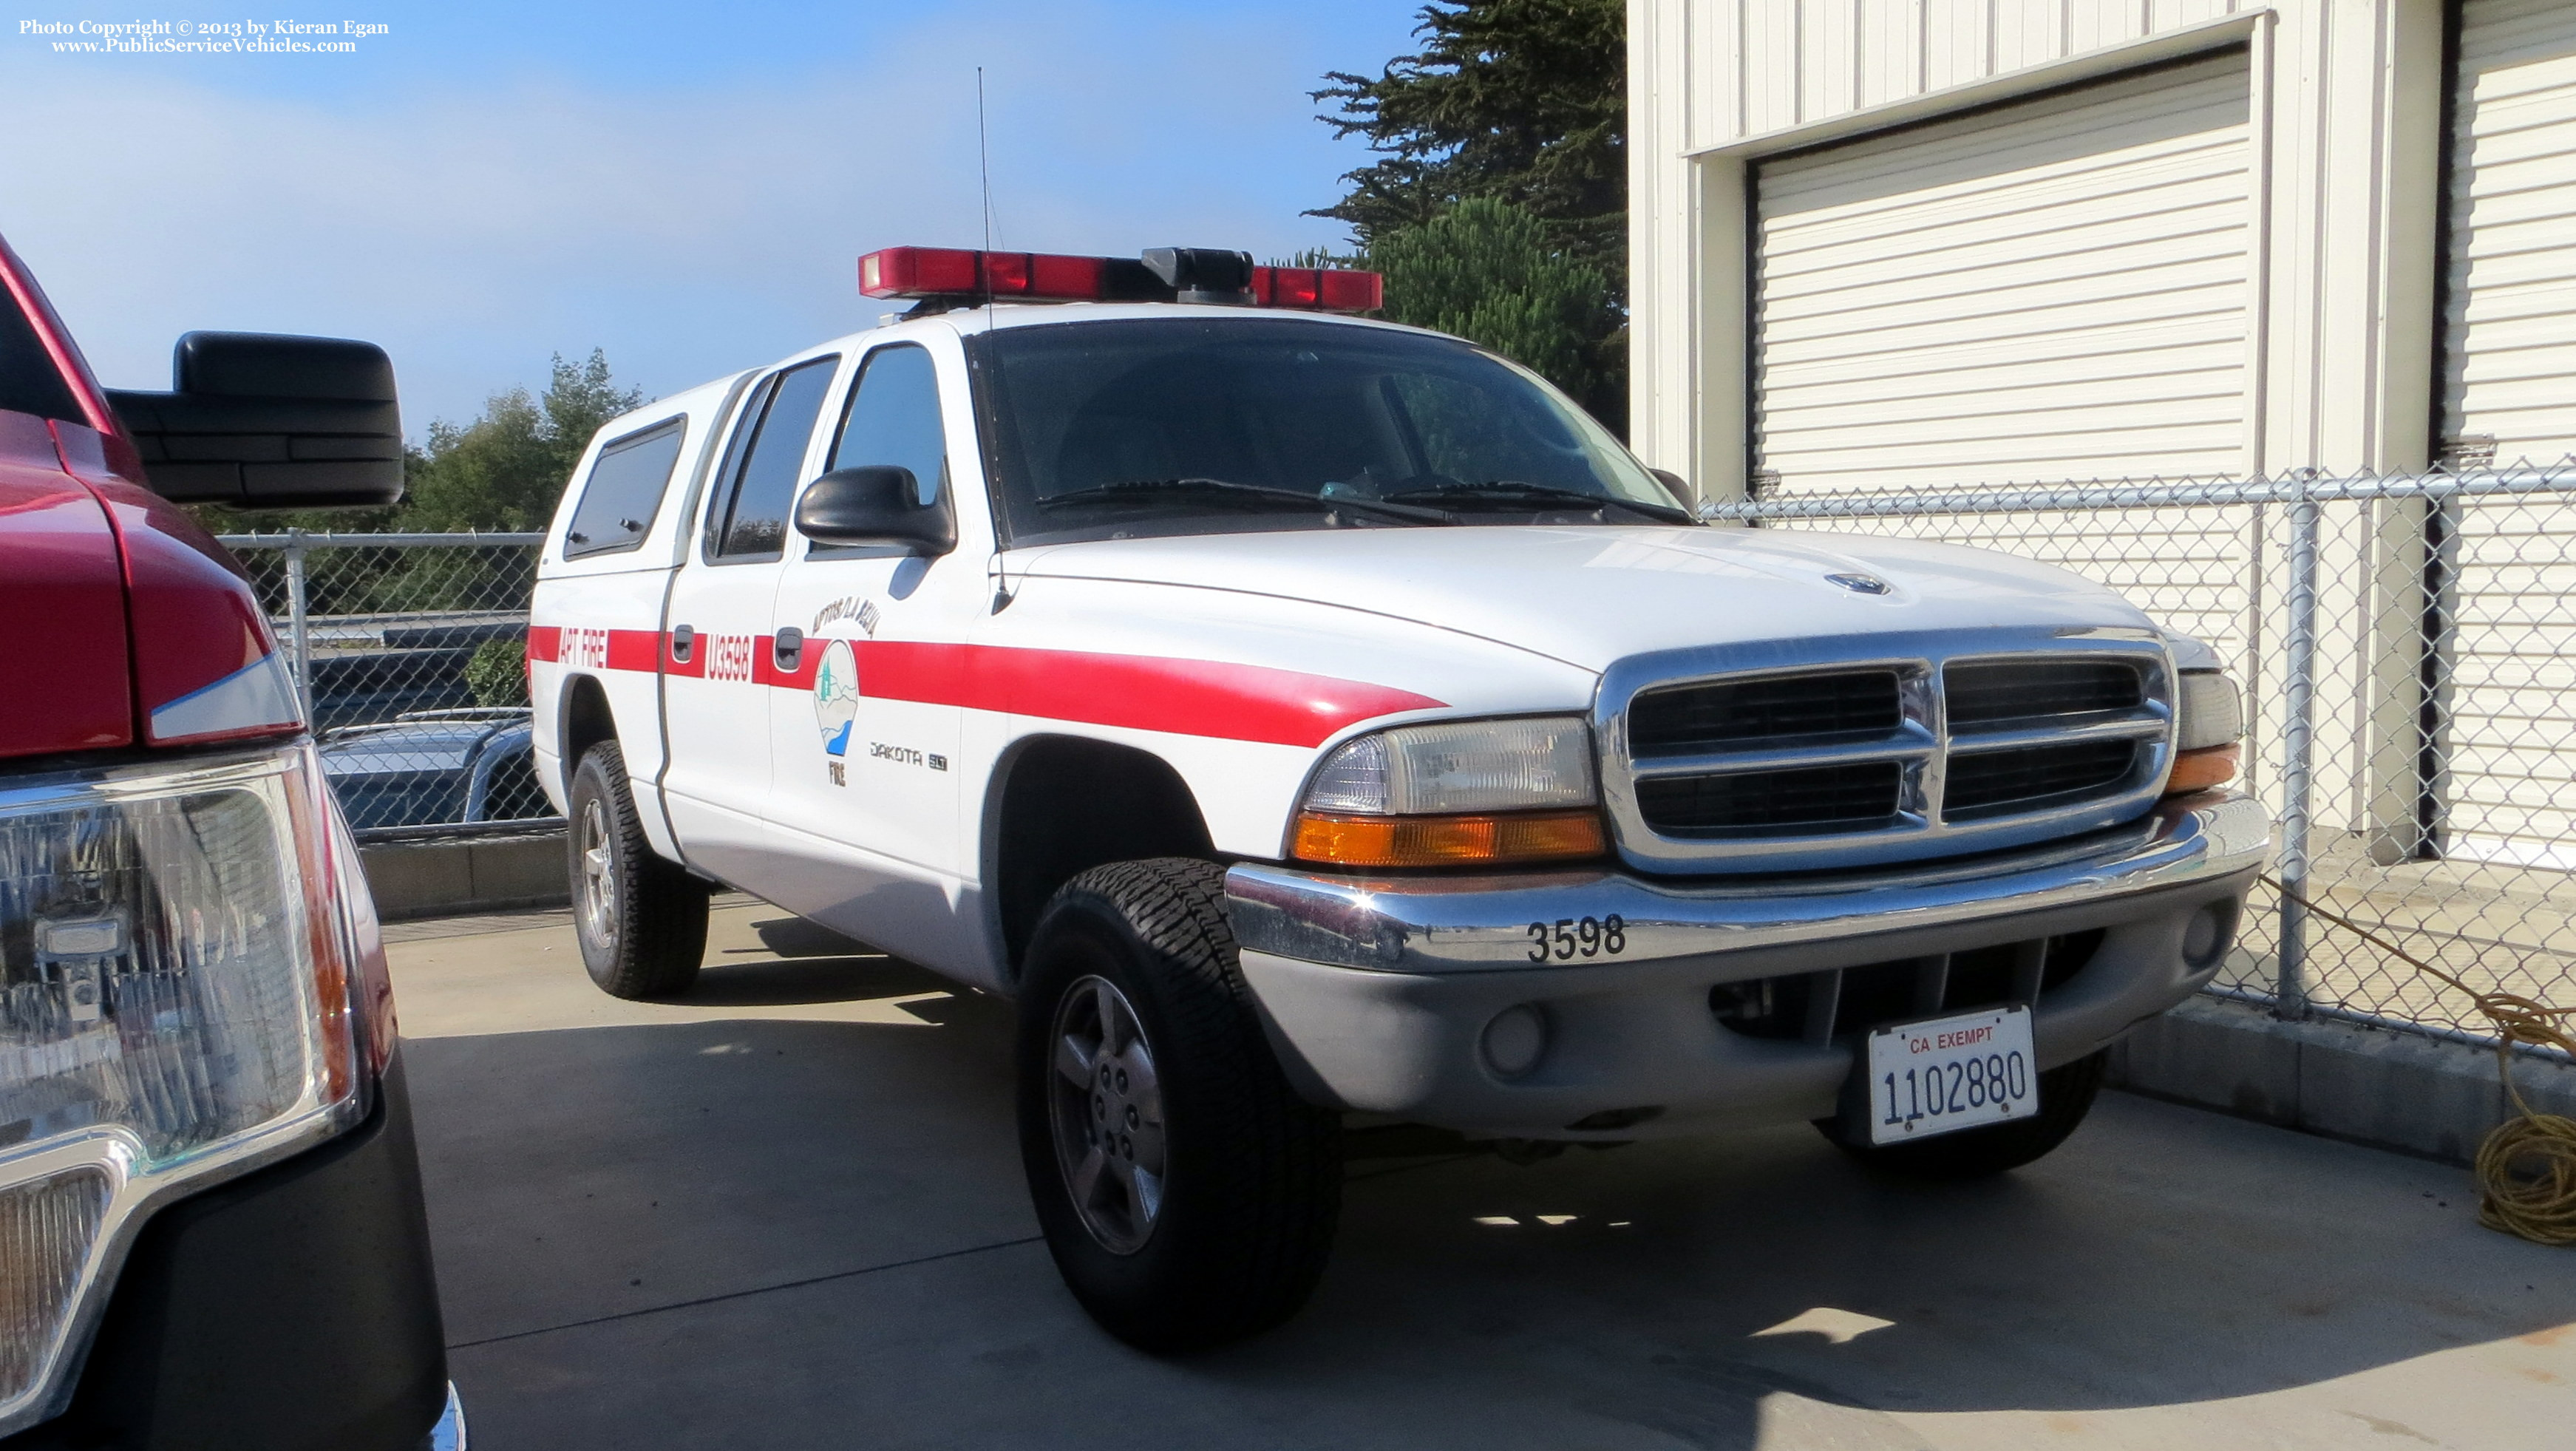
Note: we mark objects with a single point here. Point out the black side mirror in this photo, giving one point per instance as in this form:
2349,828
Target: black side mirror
875,504
260,421
1677,486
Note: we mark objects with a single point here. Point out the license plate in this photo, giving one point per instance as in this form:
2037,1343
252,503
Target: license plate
1947,1074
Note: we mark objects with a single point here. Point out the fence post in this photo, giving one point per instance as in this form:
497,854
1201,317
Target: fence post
299,639
2298,739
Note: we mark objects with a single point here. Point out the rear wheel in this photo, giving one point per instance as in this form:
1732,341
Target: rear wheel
641,920
2066,1094
1187,1194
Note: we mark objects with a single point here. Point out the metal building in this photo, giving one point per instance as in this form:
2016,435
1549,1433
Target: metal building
1923,242
1934,244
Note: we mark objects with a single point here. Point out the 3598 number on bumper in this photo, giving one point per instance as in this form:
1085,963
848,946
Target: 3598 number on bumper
1947,1074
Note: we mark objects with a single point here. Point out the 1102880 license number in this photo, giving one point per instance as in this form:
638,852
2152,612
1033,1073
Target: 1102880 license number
1952,1073
1568,938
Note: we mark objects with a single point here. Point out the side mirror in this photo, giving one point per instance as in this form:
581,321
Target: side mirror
1677,486
261,421
875,504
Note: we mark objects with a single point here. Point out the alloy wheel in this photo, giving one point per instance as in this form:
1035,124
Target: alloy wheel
598,877
1107,1115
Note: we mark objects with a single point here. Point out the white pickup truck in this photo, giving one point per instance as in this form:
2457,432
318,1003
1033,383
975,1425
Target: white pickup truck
1300,716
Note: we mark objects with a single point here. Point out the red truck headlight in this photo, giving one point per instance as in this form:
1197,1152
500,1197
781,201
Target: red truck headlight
175,1004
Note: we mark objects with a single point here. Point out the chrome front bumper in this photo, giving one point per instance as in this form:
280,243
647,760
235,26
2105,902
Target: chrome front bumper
1376,991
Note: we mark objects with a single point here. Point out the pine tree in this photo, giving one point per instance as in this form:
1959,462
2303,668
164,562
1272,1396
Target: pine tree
1490,272
1499,211
1525,100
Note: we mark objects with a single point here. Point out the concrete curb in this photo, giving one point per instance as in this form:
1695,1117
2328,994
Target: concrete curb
2342,1080
474,874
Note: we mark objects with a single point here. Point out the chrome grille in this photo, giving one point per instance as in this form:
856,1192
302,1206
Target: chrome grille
1988,692
1690,718
1885,748
1998,782
1820,798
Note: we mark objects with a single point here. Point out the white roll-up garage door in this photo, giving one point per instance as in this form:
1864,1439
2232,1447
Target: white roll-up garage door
2050,290
2509,394
2509,337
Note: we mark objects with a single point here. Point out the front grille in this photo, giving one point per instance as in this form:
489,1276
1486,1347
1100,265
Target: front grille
2033,778
2001,740
1858,797
1688,719
1994,692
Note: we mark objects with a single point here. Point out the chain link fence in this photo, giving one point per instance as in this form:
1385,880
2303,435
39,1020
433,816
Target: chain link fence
2405,644
410,650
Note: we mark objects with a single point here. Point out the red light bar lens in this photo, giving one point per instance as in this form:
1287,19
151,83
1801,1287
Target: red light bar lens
958,272
1351,291
1327,289
917,272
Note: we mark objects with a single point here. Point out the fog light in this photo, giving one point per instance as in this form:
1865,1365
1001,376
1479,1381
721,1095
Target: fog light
46,1230
1515,1040
2208,934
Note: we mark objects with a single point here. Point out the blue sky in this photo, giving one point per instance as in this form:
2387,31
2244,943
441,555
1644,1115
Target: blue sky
687,186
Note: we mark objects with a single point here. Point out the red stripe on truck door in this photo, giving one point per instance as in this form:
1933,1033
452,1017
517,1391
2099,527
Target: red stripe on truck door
1139,692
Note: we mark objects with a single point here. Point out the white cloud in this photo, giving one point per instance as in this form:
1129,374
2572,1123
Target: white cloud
476,229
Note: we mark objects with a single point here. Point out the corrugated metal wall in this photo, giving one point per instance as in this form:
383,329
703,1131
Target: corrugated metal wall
2050,290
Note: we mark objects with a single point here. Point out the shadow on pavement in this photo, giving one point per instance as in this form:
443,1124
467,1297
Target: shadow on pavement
776,1233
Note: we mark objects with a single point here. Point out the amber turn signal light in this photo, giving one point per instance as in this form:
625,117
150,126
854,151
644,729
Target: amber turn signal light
2199,770
1447,841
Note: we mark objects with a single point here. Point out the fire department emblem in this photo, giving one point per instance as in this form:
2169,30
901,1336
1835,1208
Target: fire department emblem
836,697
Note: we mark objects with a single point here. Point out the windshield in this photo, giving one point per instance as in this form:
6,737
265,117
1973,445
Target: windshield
1141,427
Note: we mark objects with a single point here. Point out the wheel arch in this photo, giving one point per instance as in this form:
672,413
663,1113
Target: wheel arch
584,719
1058,805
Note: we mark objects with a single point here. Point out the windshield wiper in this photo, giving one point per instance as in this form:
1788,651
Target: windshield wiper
1255,496
1516,495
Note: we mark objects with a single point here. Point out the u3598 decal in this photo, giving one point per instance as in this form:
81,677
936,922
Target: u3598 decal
1568,938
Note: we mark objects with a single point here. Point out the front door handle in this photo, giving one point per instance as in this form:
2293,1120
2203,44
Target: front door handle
787,647
684,641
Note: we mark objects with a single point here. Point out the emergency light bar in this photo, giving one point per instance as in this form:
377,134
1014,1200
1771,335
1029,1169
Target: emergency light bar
961,275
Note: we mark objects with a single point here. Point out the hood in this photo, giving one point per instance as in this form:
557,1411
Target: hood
135,626
1590,596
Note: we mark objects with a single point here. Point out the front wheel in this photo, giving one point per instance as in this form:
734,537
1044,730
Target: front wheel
641,920
2066,1095
1187,1194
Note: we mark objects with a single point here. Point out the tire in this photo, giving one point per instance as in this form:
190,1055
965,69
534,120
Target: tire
1211,1215
641,920
2066,1094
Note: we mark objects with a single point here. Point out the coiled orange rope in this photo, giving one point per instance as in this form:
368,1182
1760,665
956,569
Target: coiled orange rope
2526,1168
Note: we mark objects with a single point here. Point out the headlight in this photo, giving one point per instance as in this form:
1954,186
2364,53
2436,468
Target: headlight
2211,720
1453,794
174,1003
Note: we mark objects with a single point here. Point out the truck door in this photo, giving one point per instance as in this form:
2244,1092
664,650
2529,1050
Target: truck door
864,779
719,664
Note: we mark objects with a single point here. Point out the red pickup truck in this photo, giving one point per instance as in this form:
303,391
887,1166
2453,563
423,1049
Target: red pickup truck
211,1230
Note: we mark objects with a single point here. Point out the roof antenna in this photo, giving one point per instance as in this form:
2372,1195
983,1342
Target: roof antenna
984,161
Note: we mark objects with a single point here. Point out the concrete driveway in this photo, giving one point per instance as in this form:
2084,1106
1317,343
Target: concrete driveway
787,1212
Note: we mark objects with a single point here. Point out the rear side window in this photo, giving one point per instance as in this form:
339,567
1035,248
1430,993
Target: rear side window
894,419
764,463
624,491
29,381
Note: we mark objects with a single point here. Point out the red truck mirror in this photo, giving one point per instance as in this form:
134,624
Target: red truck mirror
263,421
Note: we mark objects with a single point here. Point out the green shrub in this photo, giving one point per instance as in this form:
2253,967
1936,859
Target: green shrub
498,673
